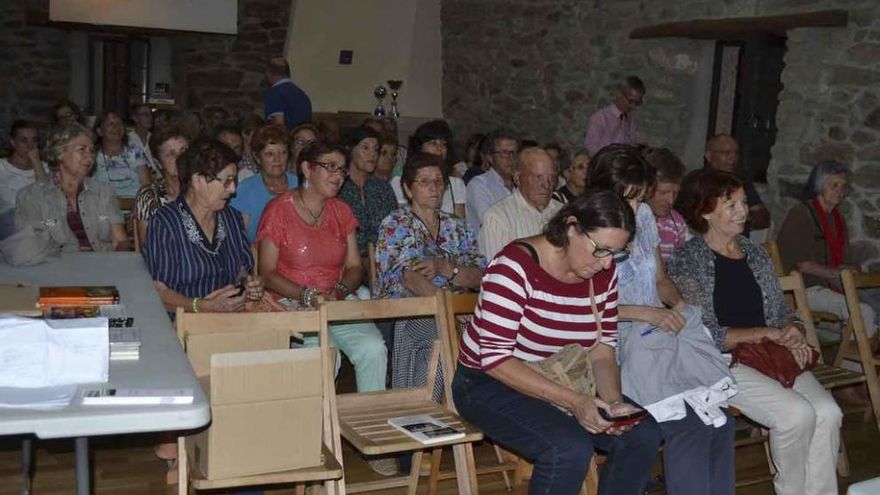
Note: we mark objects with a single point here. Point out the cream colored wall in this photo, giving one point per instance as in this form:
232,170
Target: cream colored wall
391,39
212,16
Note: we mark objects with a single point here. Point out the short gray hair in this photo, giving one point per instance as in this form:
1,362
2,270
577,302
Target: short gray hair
820,173
60,136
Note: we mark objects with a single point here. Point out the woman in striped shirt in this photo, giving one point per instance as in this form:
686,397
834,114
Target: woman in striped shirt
538,295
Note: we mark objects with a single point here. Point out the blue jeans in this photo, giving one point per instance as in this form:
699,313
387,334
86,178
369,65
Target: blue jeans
698,459
556,443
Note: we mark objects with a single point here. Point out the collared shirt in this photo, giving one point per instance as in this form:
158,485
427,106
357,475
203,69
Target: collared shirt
483,191
378,202
673,234
287,99
44,206
121,170
251,197
610,126
510,219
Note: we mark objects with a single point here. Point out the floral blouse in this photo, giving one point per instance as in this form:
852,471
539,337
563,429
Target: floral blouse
404,240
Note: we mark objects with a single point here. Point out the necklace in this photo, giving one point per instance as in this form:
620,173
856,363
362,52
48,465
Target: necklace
316,218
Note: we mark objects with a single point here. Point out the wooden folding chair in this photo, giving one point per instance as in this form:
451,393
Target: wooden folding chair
773,250
854,342
830,376
364,417
330,471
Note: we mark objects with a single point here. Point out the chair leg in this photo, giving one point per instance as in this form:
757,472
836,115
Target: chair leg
843,461
434,479
414,473
301,489
465,468
182,467
499,455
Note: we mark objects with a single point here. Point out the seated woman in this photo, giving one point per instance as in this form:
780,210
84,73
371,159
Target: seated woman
196,247
575,173
420,251
435,137
300,136
167,143
78,212
21,168
387,156
813,240
371,199
538,295
733,280
269,146
308,247
118,162
699,456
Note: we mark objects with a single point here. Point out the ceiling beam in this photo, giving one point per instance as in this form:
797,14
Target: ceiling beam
737,27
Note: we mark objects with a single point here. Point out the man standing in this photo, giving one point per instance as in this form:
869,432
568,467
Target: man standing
499,151
285,102
722,153
616,122
525,212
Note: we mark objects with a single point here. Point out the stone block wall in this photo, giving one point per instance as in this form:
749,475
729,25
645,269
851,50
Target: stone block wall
542,67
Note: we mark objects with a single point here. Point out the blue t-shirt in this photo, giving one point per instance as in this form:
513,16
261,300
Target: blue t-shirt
286,98
251,197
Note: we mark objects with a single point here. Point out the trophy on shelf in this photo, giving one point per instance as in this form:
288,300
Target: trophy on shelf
379,93
395,85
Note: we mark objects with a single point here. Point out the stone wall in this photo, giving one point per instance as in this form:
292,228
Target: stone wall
543,66
225,74
34,64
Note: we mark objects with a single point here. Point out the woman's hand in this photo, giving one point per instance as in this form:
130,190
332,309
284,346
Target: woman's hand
223,300
253,288
586,411
617,410
790,337
668,320
426,268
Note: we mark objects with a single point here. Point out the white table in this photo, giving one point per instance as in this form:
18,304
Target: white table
162,362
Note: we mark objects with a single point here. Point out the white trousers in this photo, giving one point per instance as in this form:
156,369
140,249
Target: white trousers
824,299
804,423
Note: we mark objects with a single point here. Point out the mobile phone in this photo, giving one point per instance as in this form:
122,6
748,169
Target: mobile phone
625,420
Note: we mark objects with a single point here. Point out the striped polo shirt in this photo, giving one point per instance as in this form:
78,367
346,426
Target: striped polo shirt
524,312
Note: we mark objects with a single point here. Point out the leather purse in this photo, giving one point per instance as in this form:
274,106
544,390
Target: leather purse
773,360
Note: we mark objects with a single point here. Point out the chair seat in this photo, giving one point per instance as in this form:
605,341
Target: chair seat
364,423
330,469
831,377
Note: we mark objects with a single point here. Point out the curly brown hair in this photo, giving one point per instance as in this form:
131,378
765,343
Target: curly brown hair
700,192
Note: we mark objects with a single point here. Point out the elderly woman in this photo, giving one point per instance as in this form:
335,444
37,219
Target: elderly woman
733,280
538,295
388,145
370,198
308,247
118,162
300,136
813,240
269,145
420,251
196,247
699,456
435,137
166,144
77,212
575,174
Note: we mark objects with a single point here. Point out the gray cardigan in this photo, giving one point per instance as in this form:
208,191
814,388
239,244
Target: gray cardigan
692,268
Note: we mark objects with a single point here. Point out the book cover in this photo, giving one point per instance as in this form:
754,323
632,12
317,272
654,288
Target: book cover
426,429
78,295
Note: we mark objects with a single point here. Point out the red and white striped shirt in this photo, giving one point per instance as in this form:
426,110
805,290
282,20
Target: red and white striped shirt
524,312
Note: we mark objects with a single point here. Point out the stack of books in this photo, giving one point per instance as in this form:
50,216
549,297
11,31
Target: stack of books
76,302
125,344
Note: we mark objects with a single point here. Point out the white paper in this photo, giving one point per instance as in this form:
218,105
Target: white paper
40,353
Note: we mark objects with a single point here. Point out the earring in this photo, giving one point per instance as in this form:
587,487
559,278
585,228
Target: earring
305,184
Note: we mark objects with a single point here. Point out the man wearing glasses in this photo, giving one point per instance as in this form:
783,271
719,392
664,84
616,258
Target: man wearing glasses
499,151
616,122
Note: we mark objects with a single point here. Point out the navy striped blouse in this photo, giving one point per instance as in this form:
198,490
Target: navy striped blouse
179,255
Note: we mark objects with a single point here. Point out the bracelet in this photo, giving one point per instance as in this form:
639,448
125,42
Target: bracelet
308,297
195,304
342,290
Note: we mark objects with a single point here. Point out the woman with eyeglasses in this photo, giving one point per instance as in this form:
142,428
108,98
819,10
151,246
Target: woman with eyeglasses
118,162
421,250
308,248
538,295
77,212
699,455
269,145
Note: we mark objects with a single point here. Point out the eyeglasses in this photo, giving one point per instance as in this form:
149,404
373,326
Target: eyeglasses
332,168
437,183
601,252
232,179
302,141
636,102
505,153
437,142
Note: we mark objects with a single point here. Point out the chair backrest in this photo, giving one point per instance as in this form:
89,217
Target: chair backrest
852,282
773,249
794,284
371,266
457,305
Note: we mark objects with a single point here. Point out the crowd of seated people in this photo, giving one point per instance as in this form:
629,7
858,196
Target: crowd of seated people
612,249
